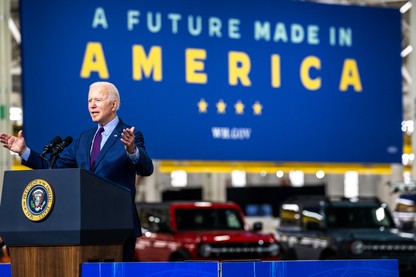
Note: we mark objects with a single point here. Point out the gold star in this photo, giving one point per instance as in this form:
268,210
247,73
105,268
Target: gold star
239,107
221,106
257,108
202,106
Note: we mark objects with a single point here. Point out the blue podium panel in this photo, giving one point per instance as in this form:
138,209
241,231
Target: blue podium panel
344,268
5,270
159,269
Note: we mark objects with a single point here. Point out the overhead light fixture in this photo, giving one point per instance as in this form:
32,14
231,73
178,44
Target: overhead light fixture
408,126
15,114
297,178
406,51
406,7
320,174
178,178
406,75
351,188
279,174
14,30
238,178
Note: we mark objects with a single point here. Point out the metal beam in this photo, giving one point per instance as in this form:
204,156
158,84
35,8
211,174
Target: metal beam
5,83
411,68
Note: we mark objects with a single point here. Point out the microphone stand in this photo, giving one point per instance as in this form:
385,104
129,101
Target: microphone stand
58,149
52,160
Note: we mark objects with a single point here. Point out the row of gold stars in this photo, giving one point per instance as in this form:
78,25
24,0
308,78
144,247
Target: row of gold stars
222,107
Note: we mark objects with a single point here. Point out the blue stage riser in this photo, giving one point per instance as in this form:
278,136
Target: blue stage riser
356,268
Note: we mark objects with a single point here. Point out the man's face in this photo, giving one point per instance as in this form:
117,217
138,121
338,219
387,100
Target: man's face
101,109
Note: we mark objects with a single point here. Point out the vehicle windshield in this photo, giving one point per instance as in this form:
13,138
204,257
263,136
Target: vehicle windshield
358,217
208,219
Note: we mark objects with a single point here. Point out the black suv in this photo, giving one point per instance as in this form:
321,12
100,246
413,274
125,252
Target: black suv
313,228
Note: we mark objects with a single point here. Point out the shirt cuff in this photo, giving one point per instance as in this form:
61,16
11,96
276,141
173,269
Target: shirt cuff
25,155
135,156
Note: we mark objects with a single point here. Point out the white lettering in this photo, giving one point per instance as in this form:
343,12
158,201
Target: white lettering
154,27
174,17
297,33
313,37
233,28
132,19
280,33
345,37
214,26
99,19
340,36
220,133
261,31
195,25
234,133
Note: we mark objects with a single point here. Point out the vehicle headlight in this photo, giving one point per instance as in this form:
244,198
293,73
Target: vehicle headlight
274,249
205,250
357,247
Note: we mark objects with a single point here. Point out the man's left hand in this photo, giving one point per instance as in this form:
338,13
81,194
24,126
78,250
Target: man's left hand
127,138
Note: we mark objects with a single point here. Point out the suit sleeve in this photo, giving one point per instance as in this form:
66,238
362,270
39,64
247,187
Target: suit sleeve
144,167
35,161
66,160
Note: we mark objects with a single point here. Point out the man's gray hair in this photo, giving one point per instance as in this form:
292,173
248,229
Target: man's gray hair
111,89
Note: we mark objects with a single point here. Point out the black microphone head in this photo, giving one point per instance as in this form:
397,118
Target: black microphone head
67,141
49,147
56,140
60,147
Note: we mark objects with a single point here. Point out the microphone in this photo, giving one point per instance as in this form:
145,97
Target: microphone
49,147
60,147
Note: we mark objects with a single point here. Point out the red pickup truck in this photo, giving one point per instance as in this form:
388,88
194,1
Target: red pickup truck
179,231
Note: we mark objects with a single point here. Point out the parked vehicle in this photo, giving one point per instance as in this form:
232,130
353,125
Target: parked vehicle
405,212
179,231
4,252
319,228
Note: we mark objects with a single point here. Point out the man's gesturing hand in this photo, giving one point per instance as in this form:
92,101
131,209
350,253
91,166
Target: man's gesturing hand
14,144
127,138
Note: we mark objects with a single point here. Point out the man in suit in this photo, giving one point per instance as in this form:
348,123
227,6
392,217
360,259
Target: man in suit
121,157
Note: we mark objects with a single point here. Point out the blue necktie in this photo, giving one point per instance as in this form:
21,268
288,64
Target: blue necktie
96,148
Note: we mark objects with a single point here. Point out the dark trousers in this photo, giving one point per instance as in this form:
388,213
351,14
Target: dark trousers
128,249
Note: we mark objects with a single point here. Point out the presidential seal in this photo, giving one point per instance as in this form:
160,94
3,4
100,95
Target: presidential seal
37,200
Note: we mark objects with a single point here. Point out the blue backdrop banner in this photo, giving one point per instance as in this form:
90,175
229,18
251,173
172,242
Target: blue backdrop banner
225,80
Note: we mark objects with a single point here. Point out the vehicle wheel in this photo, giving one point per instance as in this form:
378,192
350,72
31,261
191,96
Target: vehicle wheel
180,256
330,256
289,254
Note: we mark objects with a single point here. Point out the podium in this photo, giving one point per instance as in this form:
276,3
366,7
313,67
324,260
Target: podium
53,220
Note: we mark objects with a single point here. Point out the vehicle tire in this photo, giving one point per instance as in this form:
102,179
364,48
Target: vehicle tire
289,254
180,255
329,255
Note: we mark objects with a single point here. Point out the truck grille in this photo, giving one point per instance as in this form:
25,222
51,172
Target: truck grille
242,251
392,248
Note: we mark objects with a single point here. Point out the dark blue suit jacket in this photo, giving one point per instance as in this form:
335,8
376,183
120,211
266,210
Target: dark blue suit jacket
112,163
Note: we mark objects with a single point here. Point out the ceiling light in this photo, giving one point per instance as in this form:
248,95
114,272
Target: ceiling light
406,7
14,30
320,174
406,51
279,174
